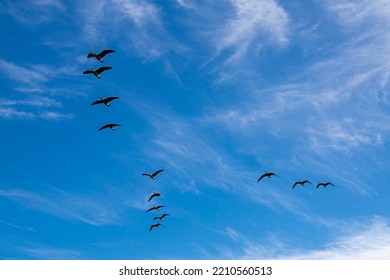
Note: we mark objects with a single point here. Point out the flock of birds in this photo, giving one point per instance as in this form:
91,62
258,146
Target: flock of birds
302,183
106,101
156,207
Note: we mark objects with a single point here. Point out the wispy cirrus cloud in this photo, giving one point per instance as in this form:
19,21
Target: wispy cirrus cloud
67,206
253,24
36,12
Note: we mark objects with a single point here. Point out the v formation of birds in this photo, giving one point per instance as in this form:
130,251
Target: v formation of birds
106,101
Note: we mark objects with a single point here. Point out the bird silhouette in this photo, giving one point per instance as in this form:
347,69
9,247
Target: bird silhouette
155,208
152,176
301,183
161,217
98,71
325,184
266,174
154,226
154,195
105,101
109,125
100,55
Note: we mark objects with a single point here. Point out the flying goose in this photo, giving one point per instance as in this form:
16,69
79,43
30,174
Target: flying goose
266,174
154,195
325,184
161,217
301,183
105,101
155,208
100,55
152,176
154,226
98,71
109,125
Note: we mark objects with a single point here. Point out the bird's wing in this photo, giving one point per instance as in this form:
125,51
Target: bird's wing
164,215
108,99
90,55
158,171
87,72
307,181
261,177
319,184
101,69
150,209
103,127
151,227
296,183
329,183
103,53
150,198
145,174
155,218
97,102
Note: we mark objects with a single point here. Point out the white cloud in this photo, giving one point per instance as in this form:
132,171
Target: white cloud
91,210
254,22
21,74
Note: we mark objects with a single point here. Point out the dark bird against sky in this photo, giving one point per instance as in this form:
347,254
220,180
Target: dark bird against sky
154,226
266,174
155,208
99,56
105,101
302,183
154,195
109,125
160,217
325,184
98,71
152,176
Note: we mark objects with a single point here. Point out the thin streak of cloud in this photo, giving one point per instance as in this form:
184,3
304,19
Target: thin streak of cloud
66,206
253,19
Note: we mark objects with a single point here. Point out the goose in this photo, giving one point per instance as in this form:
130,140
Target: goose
100,55
154,226
161,217
301,183
325,184
266,174
98,71
155,208
152,176
105,101
154,195
109,125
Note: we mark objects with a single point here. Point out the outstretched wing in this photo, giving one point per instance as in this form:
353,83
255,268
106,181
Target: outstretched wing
153,195
90,55
101,69
108,99
320,184
164,215
158,171
261,177
104,126
97,102
146,174
296,183
88,72
115,124
329,183
103,53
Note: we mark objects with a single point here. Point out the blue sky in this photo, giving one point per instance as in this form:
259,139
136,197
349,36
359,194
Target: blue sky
213,92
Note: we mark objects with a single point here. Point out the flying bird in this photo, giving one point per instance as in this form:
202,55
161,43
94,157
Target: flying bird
100,55
105,101
161,217
266,174
155,208
325,184
301,183
154,226
109,125
152,176
98,71
154,195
